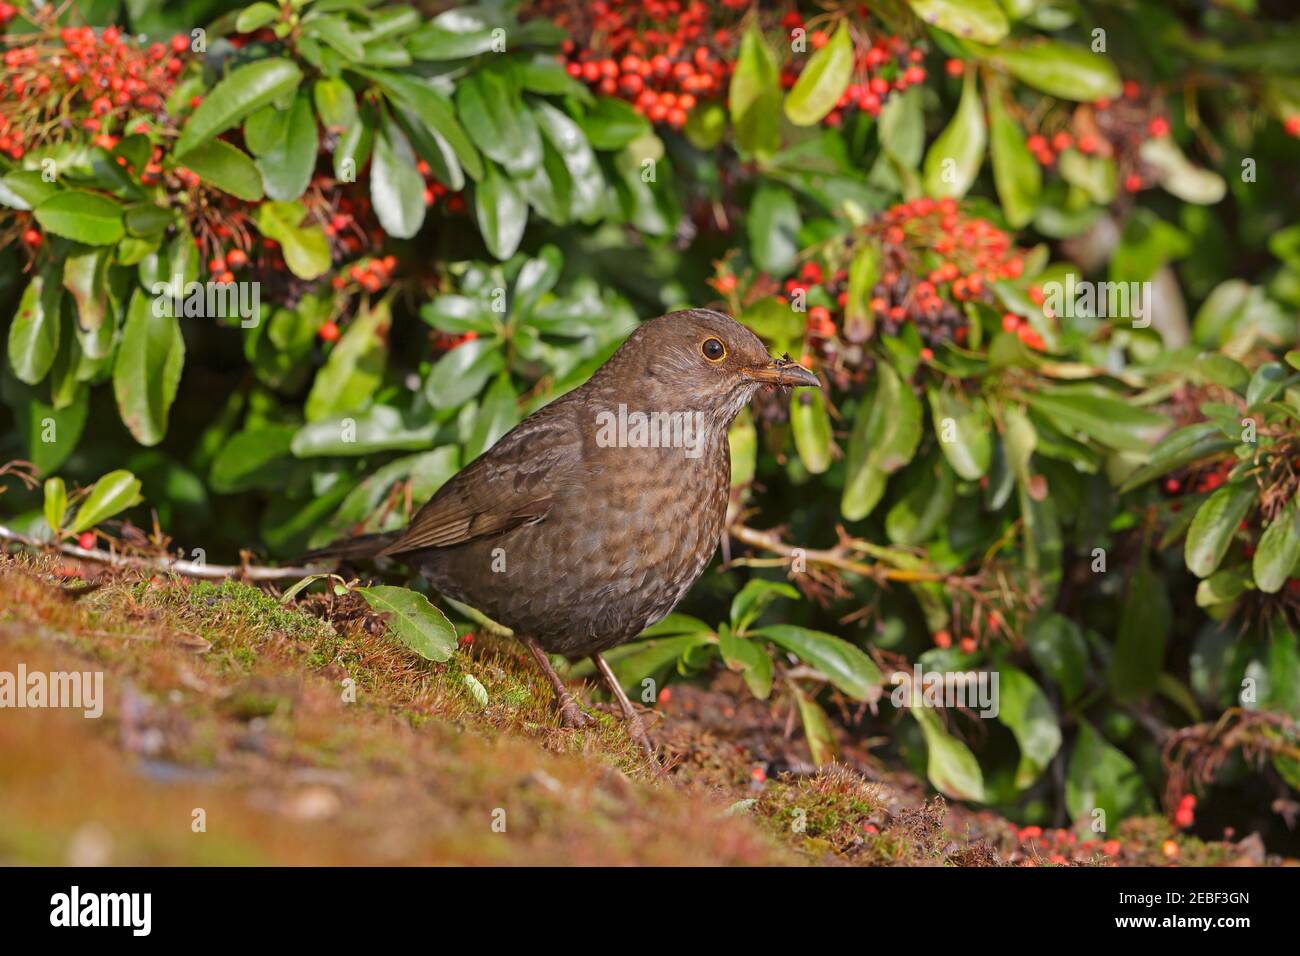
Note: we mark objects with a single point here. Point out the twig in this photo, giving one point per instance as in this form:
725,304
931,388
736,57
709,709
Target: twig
769,541
190,569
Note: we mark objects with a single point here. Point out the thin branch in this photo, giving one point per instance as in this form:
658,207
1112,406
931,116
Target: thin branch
770,541
190,569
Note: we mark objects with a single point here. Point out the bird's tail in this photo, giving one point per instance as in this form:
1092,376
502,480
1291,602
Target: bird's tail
360,548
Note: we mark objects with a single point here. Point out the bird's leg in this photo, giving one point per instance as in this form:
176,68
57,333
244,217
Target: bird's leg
636,728
570,712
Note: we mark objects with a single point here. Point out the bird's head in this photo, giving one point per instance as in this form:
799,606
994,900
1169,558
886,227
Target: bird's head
701,360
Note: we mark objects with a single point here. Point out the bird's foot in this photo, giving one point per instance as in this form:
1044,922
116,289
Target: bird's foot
636,730
573,716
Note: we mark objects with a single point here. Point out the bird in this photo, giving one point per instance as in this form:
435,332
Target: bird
592,518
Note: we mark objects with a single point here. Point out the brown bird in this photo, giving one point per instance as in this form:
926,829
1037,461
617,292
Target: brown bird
591,519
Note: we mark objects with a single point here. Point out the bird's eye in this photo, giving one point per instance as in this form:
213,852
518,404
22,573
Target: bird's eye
713,350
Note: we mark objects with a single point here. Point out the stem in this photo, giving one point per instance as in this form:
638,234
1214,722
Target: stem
769,541
189,569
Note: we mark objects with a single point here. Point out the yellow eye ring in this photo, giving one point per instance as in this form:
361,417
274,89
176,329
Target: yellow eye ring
713,349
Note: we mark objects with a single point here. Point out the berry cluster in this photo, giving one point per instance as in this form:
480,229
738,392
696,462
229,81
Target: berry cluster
661,56
1108,128
882,66
1063,846
934,258
58,79
665,56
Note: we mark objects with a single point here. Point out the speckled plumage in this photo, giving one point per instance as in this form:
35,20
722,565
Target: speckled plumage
581,546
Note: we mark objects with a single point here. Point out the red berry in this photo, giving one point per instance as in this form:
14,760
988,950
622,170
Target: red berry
32,237
1159,126
1292,125
329,331
942,639
86,540
955,67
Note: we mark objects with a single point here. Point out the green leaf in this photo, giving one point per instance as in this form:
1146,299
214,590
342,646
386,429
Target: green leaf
980,20
336,104
755,95
1100,777
25,189
1222,370
497,121
147,371
811,424
773,228
754,598
255,16
844,665
34,334
1095,175
115,492
382,428
859,319
1267,381
413,620
305,248
965,432
253,458
336,32
396,187
288,165
950,766
501,213
884,439
957,153
548,187
436,112
1279,549
1112,421
46,435
816,728
227,168
1016,173
82,216
926,503
753,663
1140,641
1028,714
461,374
1179,448
1059,650
822,81
613,124
633,662
587,190
243,92
1061,69
354,369
56,503
1178,176
1215,525
497,414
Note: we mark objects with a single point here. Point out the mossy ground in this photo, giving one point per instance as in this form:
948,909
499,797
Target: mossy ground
312,738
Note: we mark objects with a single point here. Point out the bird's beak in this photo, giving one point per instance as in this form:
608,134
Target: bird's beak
782,372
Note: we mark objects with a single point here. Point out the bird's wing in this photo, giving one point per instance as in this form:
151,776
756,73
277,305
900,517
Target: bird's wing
510,484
